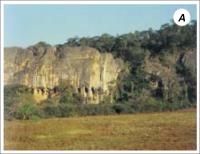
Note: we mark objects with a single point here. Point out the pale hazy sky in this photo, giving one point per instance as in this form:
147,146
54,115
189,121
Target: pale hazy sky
25,25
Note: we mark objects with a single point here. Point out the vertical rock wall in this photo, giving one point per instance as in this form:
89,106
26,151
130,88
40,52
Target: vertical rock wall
91,73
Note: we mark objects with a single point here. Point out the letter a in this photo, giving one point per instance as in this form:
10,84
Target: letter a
182,18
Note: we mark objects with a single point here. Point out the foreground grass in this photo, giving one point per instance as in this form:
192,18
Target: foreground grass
150,131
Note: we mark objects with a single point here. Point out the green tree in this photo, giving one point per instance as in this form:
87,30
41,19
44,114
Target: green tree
26,111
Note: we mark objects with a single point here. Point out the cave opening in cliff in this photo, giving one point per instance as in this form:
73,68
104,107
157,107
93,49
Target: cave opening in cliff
55,90
86,90
43,91
32,90
93,90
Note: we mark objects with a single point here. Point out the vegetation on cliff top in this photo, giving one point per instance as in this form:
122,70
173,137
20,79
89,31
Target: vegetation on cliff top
162,76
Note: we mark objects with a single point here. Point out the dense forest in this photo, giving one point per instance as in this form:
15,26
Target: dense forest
161,76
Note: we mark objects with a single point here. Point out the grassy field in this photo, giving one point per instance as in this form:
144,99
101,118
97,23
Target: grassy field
148,131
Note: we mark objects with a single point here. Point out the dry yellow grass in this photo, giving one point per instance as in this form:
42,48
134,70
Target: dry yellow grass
148,131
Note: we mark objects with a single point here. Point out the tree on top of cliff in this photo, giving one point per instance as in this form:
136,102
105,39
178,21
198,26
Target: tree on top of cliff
40,44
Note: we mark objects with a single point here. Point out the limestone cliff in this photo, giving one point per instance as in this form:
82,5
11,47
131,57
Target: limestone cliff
91,73
163,73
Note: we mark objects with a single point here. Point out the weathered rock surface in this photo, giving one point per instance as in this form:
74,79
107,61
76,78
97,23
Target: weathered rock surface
165,76
92,74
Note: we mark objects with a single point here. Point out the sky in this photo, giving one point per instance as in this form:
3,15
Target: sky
25,25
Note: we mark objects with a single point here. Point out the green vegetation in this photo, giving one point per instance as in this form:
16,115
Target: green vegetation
147,131
19,103
170,45
162,76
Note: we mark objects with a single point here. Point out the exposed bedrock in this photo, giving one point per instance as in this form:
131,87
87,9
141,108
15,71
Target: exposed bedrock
90,73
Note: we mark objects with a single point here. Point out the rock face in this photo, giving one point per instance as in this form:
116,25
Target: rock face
90,73
165,75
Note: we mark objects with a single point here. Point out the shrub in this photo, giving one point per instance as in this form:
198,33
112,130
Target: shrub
146,103
67,97
19,102
67,110
26,111
51,111
106,109
122,108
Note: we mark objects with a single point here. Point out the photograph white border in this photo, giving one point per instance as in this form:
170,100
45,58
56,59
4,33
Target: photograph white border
86,3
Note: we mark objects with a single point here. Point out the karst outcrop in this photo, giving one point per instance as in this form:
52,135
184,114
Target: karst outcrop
91,74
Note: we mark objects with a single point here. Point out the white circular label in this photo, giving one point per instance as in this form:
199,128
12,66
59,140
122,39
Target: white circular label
181,17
